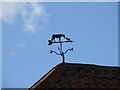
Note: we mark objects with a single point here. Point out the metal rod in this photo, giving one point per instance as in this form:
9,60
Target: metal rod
62,42
61,52
63,57
60,48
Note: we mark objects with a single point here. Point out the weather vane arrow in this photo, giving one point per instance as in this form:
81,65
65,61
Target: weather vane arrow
53,40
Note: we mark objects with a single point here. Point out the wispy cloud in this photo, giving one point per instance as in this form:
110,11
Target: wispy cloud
19,45
12,53
8,12
22,45
32,14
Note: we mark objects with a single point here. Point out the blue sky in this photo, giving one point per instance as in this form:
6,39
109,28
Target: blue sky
27,27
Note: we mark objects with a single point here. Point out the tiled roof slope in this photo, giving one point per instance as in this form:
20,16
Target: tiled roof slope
69,75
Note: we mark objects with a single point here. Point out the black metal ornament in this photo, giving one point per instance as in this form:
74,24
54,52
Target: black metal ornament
53,40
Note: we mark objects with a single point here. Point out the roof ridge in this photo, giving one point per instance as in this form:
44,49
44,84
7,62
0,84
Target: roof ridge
64,65
90,65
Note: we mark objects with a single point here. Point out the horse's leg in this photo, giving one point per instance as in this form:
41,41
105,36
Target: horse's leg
59,39
54,40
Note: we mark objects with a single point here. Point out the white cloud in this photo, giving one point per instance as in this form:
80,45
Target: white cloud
31,12
21,45
8,12
33,17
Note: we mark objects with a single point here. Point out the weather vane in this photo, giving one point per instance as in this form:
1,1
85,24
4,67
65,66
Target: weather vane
53,40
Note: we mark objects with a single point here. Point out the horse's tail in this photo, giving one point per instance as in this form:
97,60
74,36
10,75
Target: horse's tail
52,37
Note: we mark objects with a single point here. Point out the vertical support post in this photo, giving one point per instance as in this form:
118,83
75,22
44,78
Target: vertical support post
63,57
61,53
60,48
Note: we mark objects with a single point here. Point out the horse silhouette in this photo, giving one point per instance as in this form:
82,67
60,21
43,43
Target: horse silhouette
59,36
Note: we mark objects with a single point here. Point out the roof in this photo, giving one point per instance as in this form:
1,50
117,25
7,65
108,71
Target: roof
71,75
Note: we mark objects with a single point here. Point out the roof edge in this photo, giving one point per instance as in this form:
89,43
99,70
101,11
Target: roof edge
45,75
60,64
